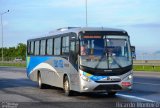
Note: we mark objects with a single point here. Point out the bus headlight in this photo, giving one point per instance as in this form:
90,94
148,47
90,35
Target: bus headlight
85,78
130,76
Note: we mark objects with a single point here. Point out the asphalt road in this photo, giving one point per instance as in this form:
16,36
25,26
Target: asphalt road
17,90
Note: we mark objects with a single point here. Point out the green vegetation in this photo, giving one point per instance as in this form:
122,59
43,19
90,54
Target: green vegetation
11,53
146,68
14,64
14,56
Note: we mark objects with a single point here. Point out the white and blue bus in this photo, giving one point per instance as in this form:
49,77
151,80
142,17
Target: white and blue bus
85,59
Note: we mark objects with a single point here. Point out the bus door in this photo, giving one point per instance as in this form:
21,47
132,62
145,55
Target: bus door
73,52
73,58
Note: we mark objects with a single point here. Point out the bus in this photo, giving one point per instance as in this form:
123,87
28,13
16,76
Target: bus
82,59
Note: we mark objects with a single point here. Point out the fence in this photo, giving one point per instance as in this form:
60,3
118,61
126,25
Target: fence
146,65
12,61
147,62
145,56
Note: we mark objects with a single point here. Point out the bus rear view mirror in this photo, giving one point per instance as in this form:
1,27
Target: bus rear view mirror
133,52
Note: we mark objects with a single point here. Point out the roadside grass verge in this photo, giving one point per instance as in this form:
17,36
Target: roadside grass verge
146,68
16,64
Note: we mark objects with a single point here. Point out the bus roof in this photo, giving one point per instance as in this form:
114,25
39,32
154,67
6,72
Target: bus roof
79,29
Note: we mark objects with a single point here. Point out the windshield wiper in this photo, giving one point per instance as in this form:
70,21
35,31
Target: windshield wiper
116,61
102,56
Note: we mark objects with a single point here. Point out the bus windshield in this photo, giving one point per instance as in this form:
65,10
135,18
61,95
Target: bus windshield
105,52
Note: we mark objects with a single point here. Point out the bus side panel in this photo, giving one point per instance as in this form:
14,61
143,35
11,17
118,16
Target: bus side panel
52,70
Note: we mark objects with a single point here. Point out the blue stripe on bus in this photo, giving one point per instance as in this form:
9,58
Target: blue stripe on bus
34,61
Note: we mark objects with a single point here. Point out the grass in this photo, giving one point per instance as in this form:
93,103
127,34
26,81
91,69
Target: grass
13,64
146,68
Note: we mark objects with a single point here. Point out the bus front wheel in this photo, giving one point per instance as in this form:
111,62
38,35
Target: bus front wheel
66,87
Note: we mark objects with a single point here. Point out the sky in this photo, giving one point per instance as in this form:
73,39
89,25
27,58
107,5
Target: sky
32,18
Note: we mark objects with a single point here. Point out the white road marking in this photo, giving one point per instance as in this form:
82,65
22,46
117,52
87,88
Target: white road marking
147,83
135,97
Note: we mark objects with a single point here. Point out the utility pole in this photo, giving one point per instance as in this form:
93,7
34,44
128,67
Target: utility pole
2,29
86,14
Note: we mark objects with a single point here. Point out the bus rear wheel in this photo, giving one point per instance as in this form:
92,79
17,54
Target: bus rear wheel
66,87
40,84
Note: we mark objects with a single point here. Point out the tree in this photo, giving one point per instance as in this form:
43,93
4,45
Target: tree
21,48
13,52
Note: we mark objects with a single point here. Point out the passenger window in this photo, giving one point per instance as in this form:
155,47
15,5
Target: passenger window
28,47
43,47
36,48
49,46
65,45
57,46
32,48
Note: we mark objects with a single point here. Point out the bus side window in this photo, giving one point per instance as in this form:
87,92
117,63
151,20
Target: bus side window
49,47
65,45
32,48
57,46
43,47
28,48
36,48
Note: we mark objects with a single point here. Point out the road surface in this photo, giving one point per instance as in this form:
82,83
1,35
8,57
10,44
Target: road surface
17,89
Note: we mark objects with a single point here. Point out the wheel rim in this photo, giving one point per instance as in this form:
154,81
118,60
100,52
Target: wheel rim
66,86
39,81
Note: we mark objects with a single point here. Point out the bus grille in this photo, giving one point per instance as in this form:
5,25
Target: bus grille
106,81
108,87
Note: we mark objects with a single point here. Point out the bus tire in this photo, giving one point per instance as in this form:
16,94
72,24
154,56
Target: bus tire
66,86
40,84
112,93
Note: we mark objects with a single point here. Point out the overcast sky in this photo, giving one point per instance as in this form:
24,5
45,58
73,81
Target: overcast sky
31,18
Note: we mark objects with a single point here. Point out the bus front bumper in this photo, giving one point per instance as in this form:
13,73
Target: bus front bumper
93,86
